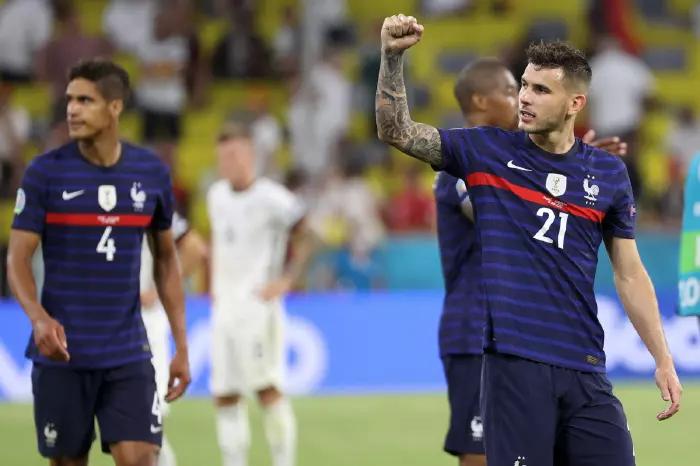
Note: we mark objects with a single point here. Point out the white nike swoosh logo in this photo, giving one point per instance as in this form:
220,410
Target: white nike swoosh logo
155,430
510,164
68,196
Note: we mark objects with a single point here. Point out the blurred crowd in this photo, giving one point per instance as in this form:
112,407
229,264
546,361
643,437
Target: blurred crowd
321,142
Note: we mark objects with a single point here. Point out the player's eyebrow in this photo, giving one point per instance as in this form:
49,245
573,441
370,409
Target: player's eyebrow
79,97
537,86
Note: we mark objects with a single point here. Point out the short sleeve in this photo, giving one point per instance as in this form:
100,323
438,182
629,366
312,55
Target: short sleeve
30,205
457,150
621,215
165,202
450,190
287,208
180,226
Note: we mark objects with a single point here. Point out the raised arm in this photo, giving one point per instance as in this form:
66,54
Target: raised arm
394,124
639,300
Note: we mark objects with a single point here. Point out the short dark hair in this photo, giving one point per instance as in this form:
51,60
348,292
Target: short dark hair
235,129
111,79
476,78
560,54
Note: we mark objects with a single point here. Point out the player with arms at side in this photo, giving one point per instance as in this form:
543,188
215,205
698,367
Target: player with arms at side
487,94
255,224
191,252
89,203
543,203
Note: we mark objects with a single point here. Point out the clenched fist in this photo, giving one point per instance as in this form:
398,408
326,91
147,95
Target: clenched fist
399,33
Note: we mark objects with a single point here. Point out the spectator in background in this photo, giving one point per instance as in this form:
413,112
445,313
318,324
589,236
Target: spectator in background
241,53
15,126
166,151
266,133
684,139
68,46
287,43
319,115
412,209
129,23
25,26
161,93
620,86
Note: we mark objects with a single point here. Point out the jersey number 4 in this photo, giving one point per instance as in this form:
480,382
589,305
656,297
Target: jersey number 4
541,234
106,245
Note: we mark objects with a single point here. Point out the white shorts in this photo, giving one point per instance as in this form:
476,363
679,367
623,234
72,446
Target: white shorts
247,351
158,330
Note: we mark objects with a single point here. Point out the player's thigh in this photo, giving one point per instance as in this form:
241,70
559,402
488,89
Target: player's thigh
226,377
466,433
262,349
519,411
596,433
128,453
64,410
128,408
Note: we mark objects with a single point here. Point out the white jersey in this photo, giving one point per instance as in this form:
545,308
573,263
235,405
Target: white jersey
250,230
179,227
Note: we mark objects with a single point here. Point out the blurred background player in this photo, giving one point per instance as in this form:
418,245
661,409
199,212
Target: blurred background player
542,347
256,223
487,94
191,252
89,203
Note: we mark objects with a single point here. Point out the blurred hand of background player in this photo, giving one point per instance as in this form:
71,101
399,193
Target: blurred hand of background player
179,376
612,144
275,289
149,298
670,386
399,33
50,338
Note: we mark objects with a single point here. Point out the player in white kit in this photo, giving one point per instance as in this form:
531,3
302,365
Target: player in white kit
260,247
191,252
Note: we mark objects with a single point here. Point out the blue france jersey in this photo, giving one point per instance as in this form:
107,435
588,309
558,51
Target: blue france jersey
540,220
462,321
92,220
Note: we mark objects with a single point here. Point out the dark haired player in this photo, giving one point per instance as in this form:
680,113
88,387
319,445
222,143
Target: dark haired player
487,94
543,203
89,203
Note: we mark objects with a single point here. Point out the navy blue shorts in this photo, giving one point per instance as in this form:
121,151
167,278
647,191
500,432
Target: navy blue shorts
540,415
66,402
466,432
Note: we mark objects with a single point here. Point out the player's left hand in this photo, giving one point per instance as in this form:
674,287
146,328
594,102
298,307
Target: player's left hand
179,376
671,389
612,144
275,289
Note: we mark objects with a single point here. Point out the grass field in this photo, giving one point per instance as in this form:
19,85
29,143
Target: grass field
383,430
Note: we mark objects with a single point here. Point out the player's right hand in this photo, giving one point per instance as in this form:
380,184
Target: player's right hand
50,338
399,33
671,389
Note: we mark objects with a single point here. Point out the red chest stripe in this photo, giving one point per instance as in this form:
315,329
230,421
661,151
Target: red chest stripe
98,220
487,179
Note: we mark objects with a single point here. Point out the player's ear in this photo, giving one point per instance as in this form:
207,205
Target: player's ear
577,103
116,107
479,102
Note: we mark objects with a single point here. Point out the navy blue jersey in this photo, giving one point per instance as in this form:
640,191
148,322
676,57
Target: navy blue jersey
462,321
92,220
540,220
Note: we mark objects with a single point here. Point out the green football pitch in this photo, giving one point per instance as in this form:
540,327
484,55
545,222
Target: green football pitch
372,430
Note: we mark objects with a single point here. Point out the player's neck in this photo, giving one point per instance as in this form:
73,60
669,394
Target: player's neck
242,185
555,142
472,120
102,151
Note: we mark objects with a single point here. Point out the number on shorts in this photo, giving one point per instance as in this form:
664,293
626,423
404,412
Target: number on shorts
155,409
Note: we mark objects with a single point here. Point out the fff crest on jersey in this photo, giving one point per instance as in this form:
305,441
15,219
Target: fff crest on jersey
556,184
107,197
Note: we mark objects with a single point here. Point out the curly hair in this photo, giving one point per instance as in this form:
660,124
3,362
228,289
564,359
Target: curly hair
559,54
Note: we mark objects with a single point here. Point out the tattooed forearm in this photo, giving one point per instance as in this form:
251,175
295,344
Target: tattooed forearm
394,124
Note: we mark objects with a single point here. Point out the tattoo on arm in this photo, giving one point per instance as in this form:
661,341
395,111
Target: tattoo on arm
394,123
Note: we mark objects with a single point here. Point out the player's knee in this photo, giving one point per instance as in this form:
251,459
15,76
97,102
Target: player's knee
135,454
472,460
268,396
227,400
